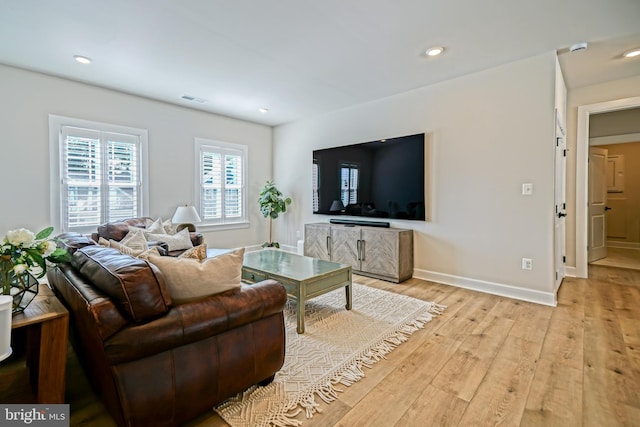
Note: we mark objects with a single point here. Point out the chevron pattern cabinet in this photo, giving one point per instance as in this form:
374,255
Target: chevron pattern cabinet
383,253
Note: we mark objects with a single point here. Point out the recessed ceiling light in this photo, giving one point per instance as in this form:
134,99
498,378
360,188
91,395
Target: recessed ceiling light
434,51
263,110
632,53
82,59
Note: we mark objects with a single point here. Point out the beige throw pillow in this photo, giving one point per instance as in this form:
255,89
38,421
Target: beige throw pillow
152,251
190,280
179,241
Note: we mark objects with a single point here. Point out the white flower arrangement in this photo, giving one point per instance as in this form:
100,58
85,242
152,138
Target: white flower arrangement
21,250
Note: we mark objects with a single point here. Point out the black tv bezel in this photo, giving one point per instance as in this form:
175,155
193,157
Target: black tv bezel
423,201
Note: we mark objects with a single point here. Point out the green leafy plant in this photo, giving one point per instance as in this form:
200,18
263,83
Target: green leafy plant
272,204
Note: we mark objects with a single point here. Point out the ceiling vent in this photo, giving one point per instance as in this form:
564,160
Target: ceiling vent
193,98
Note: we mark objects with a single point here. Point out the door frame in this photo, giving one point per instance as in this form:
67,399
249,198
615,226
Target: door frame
582,173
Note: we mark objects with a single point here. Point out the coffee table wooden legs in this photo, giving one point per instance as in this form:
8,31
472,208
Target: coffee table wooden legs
302,298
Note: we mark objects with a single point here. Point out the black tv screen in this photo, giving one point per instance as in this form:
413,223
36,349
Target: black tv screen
377,179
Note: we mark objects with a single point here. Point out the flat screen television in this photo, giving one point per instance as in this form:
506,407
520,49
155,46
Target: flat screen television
377,179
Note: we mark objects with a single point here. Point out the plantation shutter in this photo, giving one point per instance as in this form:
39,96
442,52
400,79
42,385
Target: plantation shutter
100,177
316,180
221,184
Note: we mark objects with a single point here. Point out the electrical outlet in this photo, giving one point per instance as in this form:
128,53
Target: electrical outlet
527,189
527,264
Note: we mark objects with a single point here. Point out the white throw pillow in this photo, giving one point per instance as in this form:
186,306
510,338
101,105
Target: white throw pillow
190,280
135,240
155,227
179,241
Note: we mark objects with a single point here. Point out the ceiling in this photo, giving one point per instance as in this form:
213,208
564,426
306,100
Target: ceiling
299,58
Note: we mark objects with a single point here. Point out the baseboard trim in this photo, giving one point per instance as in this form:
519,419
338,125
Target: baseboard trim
570,272
538,297
623,245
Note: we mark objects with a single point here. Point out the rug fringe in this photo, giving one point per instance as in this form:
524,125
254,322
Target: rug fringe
353,372
347,375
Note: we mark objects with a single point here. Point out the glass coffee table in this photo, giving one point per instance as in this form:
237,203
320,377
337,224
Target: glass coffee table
303,277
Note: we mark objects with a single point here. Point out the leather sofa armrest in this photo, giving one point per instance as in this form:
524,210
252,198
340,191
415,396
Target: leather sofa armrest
197,320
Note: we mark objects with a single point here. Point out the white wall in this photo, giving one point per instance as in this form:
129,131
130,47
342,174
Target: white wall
28,98
488,133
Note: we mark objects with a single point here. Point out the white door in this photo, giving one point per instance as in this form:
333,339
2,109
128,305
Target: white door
597,203
560,205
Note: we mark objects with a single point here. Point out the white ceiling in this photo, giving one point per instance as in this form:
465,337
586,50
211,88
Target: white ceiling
300,58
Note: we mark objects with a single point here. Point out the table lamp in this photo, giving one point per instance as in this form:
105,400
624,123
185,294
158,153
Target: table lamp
185,216
336,206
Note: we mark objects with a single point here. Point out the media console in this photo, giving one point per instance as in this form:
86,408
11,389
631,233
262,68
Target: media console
376,251
360,222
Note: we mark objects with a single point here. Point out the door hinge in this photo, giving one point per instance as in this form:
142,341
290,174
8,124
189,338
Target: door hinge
564,206
564,259
556,275
564,152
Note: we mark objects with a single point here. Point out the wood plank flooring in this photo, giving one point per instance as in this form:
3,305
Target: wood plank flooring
487,360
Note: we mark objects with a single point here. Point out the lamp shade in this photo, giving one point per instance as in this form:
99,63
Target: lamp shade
5,325
185,215
336,206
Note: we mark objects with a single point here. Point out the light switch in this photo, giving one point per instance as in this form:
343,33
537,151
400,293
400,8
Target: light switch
527,189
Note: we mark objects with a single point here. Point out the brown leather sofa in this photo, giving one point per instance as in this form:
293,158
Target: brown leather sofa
154,363
117,230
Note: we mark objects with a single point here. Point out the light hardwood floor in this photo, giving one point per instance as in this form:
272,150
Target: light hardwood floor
487,360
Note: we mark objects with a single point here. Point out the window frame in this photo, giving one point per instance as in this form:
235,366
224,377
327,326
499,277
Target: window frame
214,146
57,204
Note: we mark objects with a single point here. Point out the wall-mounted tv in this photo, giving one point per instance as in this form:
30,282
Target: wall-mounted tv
377,179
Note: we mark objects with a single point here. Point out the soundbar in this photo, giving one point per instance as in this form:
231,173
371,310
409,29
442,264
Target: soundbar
357,222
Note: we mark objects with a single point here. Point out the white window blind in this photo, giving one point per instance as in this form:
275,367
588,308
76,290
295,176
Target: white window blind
221,182
349,184
315,178
100,177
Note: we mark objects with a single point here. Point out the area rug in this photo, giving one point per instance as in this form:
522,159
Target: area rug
336,346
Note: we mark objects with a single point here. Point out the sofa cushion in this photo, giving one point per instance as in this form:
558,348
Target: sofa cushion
190,280
136,286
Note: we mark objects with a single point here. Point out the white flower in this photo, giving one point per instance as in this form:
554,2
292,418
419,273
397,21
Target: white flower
21,237
19,268
49,247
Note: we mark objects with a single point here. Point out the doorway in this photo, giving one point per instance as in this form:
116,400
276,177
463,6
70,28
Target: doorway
582,174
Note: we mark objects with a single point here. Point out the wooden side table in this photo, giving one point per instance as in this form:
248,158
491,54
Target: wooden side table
46,323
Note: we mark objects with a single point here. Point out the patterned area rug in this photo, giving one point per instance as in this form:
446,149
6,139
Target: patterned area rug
336,346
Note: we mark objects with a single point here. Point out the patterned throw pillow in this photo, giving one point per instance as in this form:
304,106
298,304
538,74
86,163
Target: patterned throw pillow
123,248
152,251
176,242
197,252
169,228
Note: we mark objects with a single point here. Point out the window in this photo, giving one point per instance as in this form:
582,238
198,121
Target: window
349,183
316,186
221,197
98,173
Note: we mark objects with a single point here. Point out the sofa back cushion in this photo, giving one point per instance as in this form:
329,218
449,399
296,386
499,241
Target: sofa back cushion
117,230
137,287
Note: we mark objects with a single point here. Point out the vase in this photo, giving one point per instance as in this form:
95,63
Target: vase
23,289
5,326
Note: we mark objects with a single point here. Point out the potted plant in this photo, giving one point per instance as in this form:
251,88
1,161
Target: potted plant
272,203
20,251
